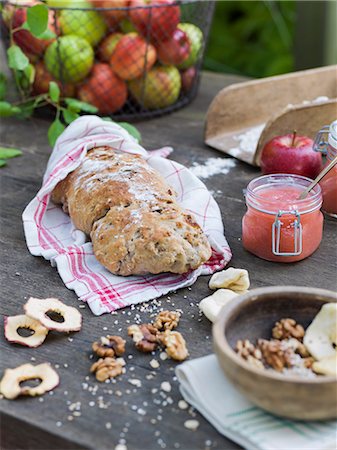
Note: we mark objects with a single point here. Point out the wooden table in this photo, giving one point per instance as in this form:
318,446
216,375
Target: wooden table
116,411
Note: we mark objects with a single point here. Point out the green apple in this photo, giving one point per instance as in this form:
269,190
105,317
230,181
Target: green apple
68,4
89,25
160,88
69,59
127,26
196,38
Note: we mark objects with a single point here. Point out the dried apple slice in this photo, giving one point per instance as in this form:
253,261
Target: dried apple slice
326,366
38,308
14,323
10,383
211,305
320,336
235,279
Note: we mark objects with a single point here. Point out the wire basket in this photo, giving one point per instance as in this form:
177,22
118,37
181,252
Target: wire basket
131,59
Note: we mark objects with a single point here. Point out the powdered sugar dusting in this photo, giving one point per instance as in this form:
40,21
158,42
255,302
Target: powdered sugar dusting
213,166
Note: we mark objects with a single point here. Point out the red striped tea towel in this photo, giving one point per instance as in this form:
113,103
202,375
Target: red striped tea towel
50,233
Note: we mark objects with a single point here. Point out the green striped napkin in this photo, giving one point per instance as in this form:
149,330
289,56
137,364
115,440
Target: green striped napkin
204,386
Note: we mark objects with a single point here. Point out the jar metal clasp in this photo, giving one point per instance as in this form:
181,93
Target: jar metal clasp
320,144
276,234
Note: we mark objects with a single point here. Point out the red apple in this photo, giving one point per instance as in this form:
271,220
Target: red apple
107,46
112,16
42,79
187,78
104,89
158,23
24,39
291,154
175,50
132,56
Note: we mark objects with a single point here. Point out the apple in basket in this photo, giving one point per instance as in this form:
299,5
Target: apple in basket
69,59
87,24
43,78
291,154
175,50
104,89
112,16
158,23
132,56
196,39
24,39
187,78
107,46
159,89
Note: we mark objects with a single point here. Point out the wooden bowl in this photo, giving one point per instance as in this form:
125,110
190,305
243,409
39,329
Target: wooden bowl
252,316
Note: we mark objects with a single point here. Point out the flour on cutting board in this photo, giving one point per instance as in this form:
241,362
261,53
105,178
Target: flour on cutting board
212,166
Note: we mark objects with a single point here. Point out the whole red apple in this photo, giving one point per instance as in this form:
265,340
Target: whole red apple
107,46
291,154
112,16
132,56
175,50
158,23
24,39
43,78
187,78
104,89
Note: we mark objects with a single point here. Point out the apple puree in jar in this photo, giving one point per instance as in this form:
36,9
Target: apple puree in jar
277,226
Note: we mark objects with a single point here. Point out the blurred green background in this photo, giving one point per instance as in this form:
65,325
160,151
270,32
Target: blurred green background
264,38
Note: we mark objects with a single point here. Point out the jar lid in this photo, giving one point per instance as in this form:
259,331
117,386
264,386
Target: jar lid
282,182
333,134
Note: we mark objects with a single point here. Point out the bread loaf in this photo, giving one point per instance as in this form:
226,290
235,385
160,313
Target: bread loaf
131,215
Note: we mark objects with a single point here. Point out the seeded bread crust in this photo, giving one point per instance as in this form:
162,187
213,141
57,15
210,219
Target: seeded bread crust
131,215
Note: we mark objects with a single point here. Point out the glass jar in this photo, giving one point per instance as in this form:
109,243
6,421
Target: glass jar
277,226
329,182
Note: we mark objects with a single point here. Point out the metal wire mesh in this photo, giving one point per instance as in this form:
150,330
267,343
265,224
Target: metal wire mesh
130,58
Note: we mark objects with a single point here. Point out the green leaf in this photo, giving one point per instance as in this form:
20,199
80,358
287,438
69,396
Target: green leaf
26,77
54,91
6,153
78,105
55,129
48,34
69,116
3,85
37,19
2,163
16,58
7,110
131,130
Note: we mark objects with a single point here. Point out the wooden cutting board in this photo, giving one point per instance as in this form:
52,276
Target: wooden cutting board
244,116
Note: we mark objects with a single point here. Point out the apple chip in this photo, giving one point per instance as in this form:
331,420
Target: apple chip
211,306
326,366
320,336
13,325
10,383
42,309
235,279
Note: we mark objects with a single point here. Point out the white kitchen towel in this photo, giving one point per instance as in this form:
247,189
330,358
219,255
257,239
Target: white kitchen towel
50,233
204,386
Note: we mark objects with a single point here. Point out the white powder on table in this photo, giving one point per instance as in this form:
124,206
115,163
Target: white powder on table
213,166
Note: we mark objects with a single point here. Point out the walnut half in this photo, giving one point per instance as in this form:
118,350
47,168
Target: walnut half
144,336
275,354
109,346
175,344
167,320
287,328
106,368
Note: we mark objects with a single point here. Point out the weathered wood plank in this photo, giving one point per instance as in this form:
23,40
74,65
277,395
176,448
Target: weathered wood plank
32,423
